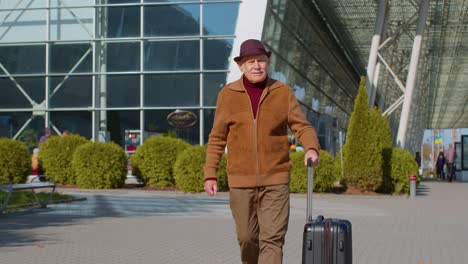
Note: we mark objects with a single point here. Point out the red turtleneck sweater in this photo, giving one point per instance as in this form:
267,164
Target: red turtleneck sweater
255,93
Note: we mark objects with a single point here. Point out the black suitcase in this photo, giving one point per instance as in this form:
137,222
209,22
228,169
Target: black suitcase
325,241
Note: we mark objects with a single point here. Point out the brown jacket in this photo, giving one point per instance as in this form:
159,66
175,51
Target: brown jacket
257,149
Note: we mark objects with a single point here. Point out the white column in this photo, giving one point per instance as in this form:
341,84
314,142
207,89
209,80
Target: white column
411,79
249,26
371,66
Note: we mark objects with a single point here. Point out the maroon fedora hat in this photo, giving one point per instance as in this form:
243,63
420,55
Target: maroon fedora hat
251,47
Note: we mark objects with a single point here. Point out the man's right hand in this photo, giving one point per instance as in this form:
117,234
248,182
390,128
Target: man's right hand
211,187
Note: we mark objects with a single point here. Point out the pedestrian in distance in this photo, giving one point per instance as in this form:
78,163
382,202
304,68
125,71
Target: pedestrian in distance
440,166
450,159
252,118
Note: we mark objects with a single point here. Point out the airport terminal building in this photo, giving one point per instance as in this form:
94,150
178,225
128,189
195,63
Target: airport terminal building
102,68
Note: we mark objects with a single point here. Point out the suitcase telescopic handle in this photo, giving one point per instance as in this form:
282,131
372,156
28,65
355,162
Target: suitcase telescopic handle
310,187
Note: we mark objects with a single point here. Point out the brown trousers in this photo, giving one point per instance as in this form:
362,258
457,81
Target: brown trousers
261,215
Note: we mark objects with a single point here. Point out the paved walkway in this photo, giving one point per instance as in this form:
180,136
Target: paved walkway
165,227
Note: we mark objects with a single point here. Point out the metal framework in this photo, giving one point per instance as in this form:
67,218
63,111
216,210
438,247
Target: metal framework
385,33
97,41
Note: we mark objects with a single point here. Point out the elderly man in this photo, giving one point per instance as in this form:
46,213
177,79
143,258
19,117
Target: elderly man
252,117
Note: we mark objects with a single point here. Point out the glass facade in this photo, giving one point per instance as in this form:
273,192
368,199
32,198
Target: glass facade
100,67
308,59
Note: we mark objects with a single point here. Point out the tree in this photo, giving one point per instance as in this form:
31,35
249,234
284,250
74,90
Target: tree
358,157
380,146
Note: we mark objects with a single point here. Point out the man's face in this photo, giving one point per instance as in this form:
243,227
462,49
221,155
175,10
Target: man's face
255,67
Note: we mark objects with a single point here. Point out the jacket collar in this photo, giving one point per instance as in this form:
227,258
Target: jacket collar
239,85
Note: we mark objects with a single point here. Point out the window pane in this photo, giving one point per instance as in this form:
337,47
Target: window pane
156,123
213,14
123,21
12,96
172,55
123,57
208,115
216,54
77,122
123,90
23,25
33,86
23,59
164,1
172,90
76,91
172,20
71,24
64,57
11,122
119,121
212,84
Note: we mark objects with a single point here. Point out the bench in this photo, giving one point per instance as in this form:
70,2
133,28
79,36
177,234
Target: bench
34,184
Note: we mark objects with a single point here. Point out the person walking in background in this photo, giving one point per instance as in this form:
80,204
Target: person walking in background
450,159
252,118
45,137
440,166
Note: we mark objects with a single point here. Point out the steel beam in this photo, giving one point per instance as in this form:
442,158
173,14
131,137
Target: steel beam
376,39
412,72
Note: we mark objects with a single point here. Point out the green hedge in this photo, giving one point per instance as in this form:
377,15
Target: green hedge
403,166
100,165
15,161
153,161
188,170
56,156
324,177
222,175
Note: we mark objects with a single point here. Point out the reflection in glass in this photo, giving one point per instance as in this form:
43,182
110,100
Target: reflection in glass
123,90
216,54
123,21
156,123
172,20
33,86
11,95
214,13
77,122
76,91
123,56
71,23
212,84
23,25
23,59
119,121
208,115
11,122
63,57
172,90
172,55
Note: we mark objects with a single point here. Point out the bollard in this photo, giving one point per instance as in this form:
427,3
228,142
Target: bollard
413,186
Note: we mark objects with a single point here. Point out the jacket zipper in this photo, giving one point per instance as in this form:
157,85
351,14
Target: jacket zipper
256,132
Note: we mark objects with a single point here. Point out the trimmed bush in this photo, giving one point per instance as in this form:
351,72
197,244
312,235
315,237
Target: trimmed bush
56,155
403,166
188,170
15,161
154,160
100,165
324,177
362,163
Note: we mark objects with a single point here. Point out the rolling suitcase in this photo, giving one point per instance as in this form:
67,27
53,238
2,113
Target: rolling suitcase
325,241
